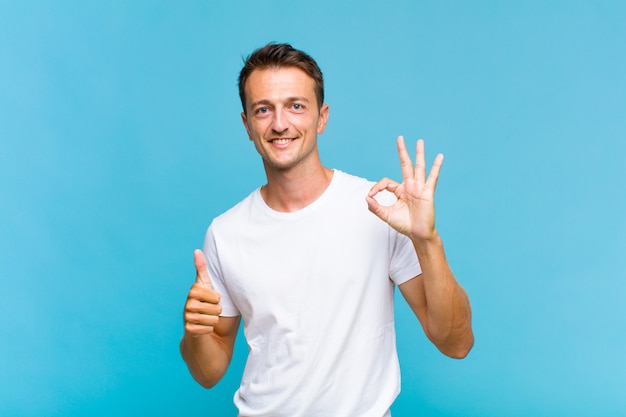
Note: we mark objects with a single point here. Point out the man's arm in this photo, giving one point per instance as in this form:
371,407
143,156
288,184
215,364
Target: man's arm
208,342
436,298
440,303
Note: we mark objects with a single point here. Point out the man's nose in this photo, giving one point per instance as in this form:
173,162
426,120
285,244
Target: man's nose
280,123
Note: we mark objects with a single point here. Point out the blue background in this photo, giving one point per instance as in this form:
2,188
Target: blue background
120,140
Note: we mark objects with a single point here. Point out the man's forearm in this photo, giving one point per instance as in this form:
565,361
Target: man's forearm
449,318
206,359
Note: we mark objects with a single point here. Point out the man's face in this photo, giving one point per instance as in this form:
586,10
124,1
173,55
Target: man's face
283,118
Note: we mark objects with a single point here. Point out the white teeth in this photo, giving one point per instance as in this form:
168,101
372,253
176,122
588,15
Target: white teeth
281,141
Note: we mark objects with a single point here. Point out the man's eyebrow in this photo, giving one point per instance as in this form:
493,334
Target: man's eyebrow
266,102
260,102
298,98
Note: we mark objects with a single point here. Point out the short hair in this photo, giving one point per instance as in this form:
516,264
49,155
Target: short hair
278,55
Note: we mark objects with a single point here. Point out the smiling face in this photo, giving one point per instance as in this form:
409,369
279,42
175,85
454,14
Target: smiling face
283,117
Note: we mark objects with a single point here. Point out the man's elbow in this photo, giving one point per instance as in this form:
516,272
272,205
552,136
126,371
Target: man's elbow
206,379
205,382
460,349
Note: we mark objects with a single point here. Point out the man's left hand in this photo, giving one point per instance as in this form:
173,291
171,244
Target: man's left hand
413,214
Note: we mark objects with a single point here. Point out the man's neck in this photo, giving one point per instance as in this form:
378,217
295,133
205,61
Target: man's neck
293,190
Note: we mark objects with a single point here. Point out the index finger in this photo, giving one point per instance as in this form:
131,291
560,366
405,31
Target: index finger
202,273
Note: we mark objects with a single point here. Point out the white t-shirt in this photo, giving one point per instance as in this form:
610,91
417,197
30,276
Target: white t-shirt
315,289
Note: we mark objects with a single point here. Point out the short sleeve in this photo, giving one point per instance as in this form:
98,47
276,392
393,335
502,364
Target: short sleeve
217,277
404,264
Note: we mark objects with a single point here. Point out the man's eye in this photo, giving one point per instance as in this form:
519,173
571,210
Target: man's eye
297,106
262,110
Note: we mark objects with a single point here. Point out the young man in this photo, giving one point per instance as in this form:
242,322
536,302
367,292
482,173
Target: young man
310,261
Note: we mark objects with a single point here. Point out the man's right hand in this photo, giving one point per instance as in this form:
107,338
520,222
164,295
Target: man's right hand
202,308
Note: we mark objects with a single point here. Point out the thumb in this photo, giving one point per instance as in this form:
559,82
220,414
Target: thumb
202,274
375,207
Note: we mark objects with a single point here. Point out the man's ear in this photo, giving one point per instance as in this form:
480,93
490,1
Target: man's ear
244,119
323,119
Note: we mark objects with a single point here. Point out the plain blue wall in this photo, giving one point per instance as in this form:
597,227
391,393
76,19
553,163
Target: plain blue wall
120,140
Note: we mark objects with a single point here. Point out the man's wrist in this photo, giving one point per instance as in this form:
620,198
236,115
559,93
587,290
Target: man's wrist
426,246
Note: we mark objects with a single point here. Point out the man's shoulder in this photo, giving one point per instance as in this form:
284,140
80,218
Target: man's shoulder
352,181
362,186
236,211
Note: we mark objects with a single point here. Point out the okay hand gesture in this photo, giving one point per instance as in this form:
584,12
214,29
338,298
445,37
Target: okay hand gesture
413,214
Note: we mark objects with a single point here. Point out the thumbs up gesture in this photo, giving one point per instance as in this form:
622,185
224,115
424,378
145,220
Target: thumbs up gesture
202,308
202,274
